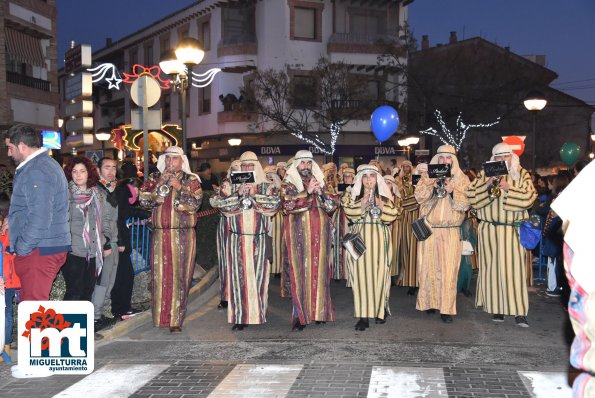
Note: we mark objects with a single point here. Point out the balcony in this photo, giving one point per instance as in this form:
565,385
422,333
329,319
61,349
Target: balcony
359,43
28,81
237,45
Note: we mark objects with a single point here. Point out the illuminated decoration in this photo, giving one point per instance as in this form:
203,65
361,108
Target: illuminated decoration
516,143
126,137
51,139
234,141
204,79
457,137
139,70
99,72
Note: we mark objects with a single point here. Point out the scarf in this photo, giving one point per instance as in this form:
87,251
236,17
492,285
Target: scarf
82,201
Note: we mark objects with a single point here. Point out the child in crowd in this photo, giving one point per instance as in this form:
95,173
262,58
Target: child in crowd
10,281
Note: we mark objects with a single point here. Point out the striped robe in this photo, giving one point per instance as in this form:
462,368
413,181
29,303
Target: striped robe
370,274
222,254
439,256
395,227
307,233
339,263
501,283
407,248
174,246
277,236
247,273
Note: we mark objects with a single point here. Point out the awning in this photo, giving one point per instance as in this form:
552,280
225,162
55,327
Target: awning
24,47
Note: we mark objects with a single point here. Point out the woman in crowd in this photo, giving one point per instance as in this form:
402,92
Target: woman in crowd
89,229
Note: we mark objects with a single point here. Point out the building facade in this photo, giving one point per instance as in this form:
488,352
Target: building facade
28,64
241,36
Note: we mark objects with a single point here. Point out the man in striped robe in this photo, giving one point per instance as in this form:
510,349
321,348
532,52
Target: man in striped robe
407,246
248,209
339,262
501,283
308,204
370,273
395,225
276,232
174,239
439,256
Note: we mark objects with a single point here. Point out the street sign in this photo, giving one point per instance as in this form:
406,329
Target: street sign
79,86
153,90
153,119
77,58
516,143
94,156
422,152
79,140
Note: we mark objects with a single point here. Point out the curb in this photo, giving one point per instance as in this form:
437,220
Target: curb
124,327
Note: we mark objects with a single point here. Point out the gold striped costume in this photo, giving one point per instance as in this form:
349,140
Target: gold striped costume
501,284
439,256
407,247
370,274
277,236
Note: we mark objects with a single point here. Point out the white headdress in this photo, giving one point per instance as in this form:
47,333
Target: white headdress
421,168
392,183
234,166
175,151
402,165
294,177
251,158
503,149
383,189
448,150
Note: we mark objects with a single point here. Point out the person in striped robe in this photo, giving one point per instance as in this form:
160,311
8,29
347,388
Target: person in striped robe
501,282
222,236
339,260
307,204
407,253
439,256
394,262
370,273
276,232
174,238
247,271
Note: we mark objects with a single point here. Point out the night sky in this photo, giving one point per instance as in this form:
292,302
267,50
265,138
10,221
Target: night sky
562,30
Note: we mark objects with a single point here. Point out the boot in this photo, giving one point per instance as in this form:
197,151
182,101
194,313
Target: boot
7,351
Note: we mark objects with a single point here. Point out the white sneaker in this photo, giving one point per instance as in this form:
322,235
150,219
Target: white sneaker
19,373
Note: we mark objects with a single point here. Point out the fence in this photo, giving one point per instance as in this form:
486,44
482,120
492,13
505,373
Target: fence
140,237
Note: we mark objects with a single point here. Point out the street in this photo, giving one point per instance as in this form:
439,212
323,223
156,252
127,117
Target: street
413,354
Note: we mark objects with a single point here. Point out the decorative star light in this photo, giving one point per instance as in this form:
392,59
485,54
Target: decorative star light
99,72
457,137
204,79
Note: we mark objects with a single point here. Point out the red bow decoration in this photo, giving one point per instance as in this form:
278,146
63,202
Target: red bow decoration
43,319
153,71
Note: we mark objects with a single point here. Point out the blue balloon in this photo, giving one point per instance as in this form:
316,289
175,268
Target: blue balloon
384,122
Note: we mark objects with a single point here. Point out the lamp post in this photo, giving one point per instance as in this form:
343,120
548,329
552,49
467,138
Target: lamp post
406,142
534,102
178,63
102,136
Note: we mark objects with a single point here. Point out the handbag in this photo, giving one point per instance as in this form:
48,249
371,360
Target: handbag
354,244
420,227
530,233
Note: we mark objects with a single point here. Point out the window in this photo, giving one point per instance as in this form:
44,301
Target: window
304,91
149,55
165,43
180,104
133,57
206,35
204,101
182,32
372,92
238,24
305,20
166,107
366,22
304,23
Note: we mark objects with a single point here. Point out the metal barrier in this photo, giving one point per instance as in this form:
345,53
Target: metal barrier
140,238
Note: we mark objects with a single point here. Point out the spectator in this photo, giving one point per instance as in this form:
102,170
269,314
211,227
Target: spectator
38,215
208,181
89,229
129,169
11,280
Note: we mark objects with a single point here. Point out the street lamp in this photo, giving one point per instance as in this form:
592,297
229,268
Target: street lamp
534,102
407,141
234,141
178,63
102,136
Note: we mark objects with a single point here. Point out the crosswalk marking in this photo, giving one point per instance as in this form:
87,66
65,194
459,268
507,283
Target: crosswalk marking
257,381
388,382
547,384
114,380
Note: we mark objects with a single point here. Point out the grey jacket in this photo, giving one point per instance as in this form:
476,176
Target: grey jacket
38,215
76,220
